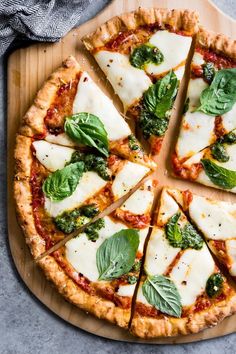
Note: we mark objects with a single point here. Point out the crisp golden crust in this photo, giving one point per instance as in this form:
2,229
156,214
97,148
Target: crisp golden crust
33,121
22,192
185,20
148,327
101,308
218,43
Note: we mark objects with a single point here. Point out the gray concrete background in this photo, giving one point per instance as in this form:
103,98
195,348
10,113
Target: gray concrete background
26,326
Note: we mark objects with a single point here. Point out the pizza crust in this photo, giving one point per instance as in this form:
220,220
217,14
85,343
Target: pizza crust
186,20
96,305
217,42
148,327
33,121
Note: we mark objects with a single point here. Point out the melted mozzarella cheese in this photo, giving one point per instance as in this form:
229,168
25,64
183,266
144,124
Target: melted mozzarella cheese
231,252
60,139
81,252
89,185
159,253
51,156
89,98
195,88
173,46
126,290
180,72
191,272
228,119
140,201
198,59
217,220
128,82
167,208
130,174
140,297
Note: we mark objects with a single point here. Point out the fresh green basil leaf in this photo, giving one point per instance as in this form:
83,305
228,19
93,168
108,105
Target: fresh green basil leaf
91,231
218,175
144,54
191,238
162,293
208,71
116,255
219,152
173,231
62,183
159,98
152,125
220,96
214,285
87,129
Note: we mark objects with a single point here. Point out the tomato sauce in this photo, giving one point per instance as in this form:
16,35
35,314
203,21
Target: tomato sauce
184,172
136,221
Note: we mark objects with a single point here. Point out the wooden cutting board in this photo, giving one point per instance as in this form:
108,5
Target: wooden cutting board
27,70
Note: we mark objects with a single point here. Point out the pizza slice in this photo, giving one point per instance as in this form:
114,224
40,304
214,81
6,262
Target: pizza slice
210,109
182,290
58,189
143,55
71,110
214,166
98,271
217,222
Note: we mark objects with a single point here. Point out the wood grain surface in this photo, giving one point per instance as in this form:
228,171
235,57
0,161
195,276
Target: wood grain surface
27,70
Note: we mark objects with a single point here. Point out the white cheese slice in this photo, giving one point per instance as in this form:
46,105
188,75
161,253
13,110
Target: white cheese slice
140,202
128,82
198,59
231,252
228,119
217,220
89,98
81,252
90,184
173,46
60,139
168,208
191,272
195,88
51,156
130,174
180,72
140,297
126,290
159,254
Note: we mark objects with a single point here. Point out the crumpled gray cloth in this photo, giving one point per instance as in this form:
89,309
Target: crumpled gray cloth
41,20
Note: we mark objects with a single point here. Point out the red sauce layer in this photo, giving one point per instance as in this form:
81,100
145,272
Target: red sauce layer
184,172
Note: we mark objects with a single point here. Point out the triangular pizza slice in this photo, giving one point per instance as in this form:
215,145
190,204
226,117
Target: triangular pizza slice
182,290
71,110
143,55
98,270
210,109
58,189
214,166
216,220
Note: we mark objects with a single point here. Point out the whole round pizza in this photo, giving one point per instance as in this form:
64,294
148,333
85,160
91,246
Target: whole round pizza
85,184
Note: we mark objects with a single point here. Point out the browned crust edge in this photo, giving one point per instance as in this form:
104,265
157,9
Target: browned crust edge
33,121
217,42
101,308
147,327
186,20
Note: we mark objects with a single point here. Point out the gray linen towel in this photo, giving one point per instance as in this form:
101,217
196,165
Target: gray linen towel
40,20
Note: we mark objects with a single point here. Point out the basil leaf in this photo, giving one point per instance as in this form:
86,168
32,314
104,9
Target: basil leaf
191,238
219,152
159,98
173,231
218,175
62,183
208,71
144,54
184,238
116,255
133,142
220,96
87,129
214,285
229,138
162,293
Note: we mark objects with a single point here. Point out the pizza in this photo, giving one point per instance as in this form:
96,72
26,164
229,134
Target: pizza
181,290
208,123
143,55
86,188
216,220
